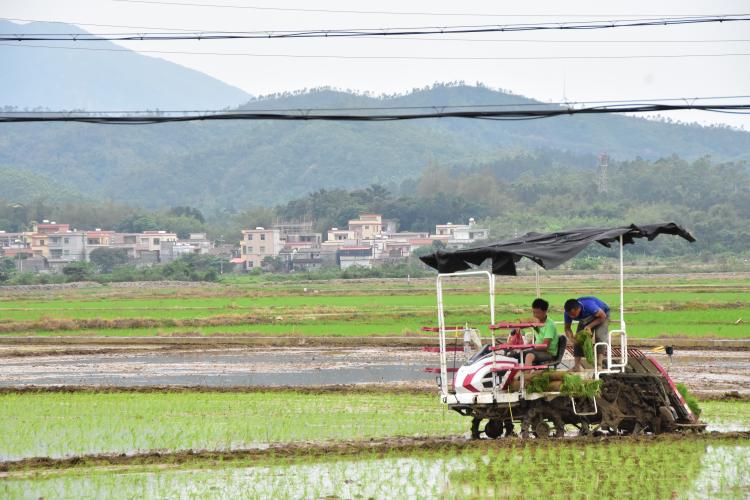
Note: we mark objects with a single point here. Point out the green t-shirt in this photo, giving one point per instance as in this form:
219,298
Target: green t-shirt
548,331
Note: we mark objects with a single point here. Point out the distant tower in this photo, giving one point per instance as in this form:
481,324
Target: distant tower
602,172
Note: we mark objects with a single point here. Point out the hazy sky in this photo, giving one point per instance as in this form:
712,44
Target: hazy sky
548,80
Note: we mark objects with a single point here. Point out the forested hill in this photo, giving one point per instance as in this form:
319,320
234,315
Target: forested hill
239,164
100,76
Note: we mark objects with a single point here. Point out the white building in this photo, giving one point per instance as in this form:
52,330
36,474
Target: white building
66,247
354,256
460,233
259,243
151,240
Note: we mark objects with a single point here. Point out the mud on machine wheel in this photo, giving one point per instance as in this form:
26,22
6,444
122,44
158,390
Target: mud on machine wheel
633,404
493,429
542,423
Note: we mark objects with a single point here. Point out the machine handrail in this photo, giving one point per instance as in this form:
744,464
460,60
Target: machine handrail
623,350
517,347
436,329
506,325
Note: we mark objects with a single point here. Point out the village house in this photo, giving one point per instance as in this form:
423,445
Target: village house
259,243
460,233
196,244
368,226
354,256
11,240
66,247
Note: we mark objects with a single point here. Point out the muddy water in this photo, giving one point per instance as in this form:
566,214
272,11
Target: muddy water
710,372
220,368
702,370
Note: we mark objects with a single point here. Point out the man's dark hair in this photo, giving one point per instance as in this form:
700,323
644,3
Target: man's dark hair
540,304
571,304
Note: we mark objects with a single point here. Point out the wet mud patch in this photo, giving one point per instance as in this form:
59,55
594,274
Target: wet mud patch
220,367
710,373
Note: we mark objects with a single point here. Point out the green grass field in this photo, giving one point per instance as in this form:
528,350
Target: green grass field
655,307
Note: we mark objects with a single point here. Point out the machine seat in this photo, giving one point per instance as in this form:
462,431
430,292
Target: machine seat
562,343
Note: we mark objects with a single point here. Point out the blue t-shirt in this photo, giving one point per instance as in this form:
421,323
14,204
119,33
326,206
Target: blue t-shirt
589,307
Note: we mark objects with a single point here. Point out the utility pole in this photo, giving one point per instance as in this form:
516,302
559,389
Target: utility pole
221,257
602,173
18,255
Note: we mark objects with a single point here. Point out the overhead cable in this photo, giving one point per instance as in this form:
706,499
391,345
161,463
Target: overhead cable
348,33
310,115
441,39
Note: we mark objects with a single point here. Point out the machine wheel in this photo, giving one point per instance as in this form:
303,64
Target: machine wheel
583,428
509,429
559,429
542,429
556,420
475,427
493,429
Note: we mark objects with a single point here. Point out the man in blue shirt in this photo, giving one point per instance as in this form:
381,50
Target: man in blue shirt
593,316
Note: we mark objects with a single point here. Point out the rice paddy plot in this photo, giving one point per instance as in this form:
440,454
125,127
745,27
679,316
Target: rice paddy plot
702,309
729,324
68,424
621,469
726,416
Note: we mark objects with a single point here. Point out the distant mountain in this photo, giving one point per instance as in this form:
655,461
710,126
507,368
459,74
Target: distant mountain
240,164
99,76
18,186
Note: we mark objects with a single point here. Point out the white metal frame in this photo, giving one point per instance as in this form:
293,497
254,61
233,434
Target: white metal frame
621,332
610,366
441,318
575,411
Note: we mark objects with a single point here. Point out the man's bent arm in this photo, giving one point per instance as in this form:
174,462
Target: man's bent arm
600,317
568,330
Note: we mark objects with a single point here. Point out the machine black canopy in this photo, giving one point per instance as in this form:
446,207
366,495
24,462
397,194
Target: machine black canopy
548,250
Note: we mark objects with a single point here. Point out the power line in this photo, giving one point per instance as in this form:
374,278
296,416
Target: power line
308,115
385,12
403,58
580,103
348,33
441,39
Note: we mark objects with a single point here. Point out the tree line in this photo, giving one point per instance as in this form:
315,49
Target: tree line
710,198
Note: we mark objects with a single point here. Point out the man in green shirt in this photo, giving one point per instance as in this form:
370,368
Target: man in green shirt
545,334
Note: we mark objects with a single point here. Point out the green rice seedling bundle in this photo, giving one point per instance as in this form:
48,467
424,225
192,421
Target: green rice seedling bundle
575,386
691,400
539,383
583,338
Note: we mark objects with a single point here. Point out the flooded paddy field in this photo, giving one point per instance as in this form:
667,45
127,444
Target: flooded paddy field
56,424
343,441
705,371
320,390
220,367
715,465
320,422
